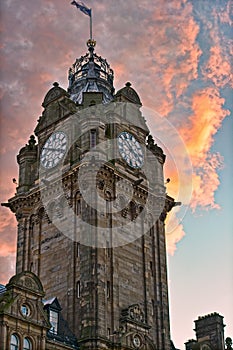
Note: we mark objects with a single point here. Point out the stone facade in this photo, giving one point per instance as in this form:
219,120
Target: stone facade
112,295
24,320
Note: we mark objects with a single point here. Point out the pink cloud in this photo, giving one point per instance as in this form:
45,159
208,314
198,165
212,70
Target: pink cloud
218,68
198,133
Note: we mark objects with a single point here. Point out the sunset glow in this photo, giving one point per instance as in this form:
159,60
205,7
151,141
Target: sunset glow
177,54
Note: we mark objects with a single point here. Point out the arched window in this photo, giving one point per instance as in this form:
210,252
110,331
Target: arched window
41,213
79,206
78,289
92,138
133,210
14,342
108,289
27,345
79,203
78,250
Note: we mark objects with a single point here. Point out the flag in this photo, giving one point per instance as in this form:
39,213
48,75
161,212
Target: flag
82,7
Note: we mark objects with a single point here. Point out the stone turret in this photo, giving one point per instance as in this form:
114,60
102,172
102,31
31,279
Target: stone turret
26,159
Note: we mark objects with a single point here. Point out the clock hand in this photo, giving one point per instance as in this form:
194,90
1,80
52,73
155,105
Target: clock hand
131,148
128,145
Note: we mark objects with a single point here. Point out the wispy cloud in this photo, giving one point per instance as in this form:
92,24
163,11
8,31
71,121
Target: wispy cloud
198,133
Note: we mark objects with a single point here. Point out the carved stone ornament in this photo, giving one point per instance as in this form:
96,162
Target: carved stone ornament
136,313
129,93
29,283
28,280
133,313
53,94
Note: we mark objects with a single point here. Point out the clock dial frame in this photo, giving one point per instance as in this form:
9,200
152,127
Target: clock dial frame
53,150
130,150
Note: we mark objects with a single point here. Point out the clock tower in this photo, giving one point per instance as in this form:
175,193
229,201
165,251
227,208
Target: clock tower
91,207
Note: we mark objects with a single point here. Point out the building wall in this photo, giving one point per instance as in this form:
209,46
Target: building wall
93,284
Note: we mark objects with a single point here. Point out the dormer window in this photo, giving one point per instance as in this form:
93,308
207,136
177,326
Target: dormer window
53,309
53,319
59,328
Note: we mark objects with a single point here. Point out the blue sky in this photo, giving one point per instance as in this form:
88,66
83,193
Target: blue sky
201,267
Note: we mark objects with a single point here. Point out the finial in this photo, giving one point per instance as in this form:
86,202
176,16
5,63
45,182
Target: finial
31,142
91,43
228,343
55,84
150,142
128,84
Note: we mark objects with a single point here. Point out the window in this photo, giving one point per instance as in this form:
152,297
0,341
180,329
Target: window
78,289
53,319
79,206
108,332
78,250
151,268
93,138
133,210
107,249
14,342
108,289
152,307
27,345
151,230
25,310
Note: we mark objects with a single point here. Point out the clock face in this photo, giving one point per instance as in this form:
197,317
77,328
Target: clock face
130,150
53,150
136,341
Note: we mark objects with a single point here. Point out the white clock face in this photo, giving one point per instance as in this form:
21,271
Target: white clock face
130,150
53,150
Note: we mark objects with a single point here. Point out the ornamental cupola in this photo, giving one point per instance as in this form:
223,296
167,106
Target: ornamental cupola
91,73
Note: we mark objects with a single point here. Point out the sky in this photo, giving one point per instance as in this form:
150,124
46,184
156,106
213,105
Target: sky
177,54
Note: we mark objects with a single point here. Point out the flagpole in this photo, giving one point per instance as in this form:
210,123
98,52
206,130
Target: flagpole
91,26
82,7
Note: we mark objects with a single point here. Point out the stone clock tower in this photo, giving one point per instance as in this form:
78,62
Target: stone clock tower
91,206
